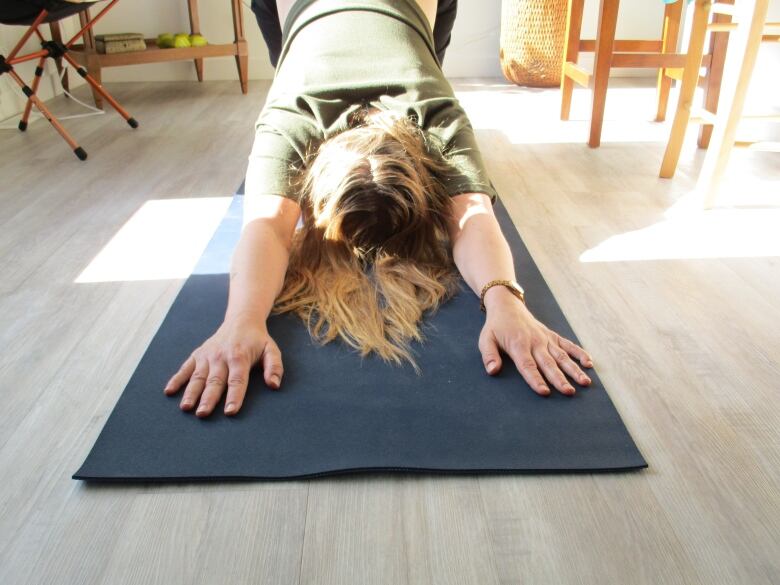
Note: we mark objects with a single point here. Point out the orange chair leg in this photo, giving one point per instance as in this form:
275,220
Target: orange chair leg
29,104
102,91
80,152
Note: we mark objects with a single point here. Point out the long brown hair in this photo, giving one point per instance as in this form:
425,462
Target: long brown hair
373,253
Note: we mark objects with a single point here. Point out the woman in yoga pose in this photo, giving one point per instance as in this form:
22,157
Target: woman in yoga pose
362,139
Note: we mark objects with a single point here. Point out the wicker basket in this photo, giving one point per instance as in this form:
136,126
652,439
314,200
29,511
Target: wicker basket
532,39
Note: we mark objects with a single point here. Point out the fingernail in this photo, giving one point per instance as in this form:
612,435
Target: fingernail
545,390
201,410
585,380
569,388
230,408
491,367
275,380
186,404
589,364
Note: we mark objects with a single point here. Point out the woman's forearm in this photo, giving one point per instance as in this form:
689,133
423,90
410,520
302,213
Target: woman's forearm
479,248
257,270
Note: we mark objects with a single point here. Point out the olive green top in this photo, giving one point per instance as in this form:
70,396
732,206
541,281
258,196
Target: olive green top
341,55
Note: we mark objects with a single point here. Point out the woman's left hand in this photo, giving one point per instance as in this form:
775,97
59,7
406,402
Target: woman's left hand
537,352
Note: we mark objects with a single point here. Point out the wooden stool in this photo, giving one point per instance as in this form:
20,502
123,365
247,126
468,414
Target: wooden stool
747,31
616,53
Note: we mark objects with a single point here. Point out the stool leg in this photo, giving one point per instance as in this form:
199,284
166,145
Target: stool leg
100,90
690,81
671,32
80,153
570,53
738,69
718,45
29,104
605,41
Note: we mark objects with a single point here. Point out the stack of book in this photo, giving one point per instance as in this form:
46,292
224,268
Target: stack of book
120,43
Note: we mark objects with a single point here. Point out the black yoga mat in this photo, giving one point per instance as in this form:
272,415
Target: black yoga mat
338,413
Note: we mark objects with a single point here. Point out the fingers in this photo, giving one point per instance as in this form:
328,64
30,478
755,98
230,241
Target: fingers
239,365
566,364
552,372
489,350
196,384
526,365
272,365
215,386
180,377
575,350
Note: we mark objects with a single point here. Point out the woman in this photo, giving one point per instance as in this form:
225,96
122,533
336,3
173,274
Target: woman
362,138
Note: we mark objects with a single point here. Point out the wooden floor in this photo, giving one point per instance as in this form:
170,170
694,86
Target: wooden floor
685,332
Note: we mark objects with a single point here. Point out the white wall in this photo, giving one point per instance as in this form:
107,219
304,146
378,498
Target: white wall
473,52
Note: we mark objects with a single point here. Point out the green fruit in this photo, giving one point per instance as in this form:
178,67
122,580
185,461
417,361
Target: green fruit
198,41
165,40
181,40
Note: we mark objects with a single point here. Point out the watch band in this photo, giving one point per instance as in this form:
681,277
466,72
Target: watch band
513,287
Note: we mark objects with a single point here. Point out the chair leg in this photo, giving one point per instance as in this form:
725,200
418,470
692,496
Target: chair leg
97,87
29,104
690,81
671,32
56,36
90,60
605,41
79,152
27,34
738,69
571,53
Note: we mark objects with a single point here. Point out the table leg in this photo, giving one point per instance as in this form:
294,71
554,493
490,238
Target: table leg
192,7
242,51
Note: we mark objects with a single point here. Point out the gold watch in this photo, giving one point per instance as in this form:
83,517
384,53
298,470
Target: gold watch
513,287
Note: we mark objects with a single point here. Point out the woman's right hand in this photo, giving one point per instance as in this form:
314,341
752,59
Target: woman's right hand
224,361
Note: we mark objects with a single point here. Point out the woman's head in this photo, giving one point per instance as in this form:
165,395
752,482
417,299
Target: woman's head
372,256
375,188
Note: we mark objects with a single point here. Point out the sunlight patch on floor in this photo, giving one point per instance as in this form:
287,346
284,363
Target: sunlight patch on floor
532,116
717,233
162,240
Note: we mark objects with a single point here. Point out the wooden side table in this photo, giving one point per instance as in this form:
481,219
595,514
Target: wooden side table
88,56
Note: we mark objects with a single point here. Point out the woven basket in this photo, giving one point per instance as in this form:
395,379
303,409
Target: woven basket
532,37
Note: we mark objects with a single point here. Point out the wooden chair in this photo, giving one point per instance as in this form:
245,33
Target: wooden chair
747,30
610,53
